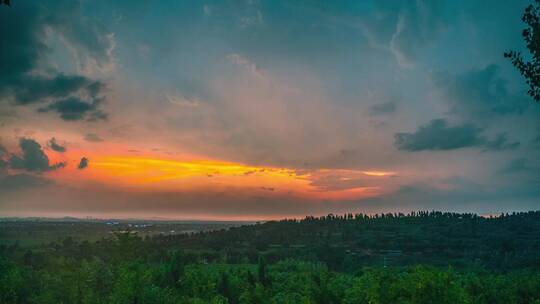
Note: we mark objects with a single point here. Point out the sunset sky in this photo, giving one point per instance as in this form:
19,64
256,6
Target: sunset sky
263,109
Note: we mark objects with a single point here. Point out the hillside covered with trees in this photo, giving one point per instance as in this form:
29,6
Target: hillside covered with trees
422,257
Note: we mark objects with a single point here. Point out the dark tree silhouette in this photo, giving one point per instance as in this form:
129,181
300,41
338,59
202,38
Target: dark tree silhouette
530,69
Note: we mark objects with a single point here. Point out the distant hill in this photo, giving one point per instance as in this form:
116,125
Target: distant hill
506,241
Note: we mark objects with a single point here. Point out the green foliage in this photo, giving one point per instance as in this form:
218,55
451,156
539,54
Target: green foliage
291,281
262,272
530,69
130,269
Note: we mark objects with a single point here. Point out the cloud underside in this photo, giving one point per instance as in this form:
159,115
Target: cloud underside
22,171
27,76
32,158
439,135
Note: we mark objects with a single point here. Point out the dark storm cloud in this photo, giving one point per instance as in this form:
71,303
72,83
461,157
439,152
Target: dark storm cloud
479,94
437,135
91,137
55,146
24,51
32,159
83,163
38,89
383,108
73,108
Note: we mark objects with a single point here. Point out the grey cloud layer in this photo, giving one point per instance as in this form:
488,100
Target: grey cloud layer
459,195
91,137
21,181
438,135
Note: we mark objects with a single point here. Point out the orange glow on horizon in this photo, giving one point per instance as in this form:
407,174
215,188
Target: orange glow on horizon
152,173
379,173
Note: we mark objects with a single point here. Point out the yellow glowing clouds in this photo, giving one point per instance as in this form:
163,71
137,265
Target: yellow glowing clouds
379,173
148,174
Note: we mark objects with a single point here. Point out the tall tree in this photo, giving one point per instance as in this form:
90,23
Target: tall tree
530,69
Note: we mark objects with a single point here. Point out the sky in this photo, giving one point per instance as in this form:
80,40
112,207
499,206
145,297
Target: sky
254,110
